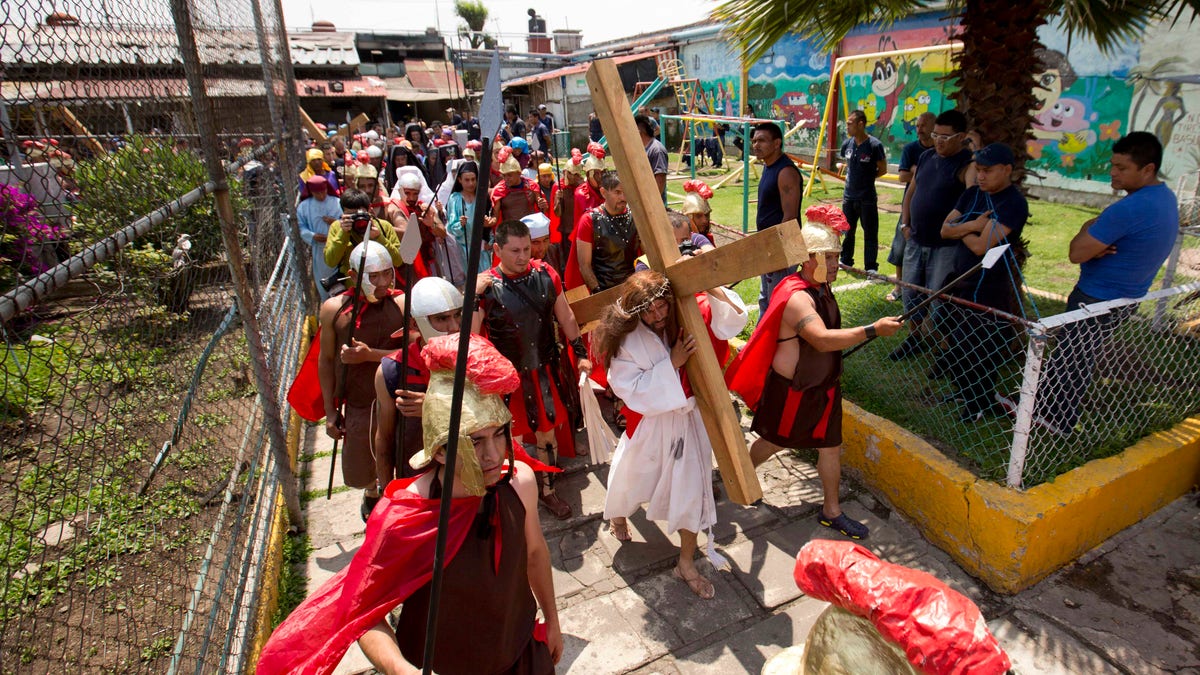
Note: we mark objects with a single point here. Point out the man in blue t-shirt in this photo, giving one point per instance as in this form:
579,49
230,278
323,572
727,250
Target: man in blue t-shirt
989,214
1119,254
865,161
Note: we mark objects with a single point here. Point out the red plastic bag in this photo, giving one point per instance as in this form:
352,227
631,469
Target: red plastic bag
940,630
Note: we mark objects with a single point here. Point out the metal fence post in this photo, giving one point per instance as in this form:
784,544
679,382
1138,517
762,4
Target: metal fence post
181,12
1030,380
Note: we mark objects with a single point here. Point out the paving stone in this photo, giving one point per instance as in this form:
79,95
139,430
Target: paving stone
328,561
608,635
57,533
764,564
747,651
650,547
736,522
584,492
339,519
565,585
1035,645
691,617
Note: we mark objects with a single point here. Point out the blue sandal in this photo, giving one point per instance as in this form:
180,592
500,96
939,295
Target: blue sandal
844,524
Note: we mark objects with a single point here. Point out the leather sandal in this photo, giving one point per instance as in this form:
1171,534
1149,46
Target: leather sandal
700,585
620,531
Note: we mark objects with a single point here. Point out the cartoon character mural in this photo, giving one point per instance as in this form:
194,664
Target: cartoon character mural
914,106
888,85
1076,118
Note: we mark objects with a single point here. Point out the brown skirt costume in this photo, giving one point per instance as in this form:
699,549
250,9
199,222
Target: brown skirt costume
487,612
805,411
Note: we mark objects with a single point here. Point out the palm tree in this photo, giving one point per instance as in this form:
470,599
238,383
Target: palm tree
995,69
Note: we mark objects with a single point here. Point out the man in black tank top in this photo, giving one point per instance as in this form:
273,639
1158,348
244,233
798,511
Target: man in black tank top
779,196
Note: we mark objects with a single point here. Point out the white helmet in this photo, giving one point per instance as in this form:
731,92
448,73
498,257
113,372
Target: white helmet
410,181
377,260
374,152
433,295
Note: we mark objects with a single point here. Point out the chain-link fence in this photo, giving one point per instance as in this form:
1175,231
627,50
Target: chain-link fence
149,154
1020,400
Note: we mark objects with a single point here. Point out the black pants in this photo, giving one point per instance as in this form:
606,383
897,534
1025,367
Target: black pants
979,345
868,211
1069,370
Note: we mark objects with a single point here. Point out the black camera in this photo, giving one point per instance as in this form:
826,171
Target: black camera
688,248
360,221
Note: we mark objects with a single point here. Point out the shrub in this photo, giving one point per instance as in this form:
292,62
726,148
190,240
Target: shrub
20,240
133,181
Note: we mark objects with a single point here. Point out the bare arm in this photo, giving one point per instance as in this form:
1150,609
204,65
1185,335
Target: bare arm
541,581
801,314
660,179
1085,247
584,254
789,194
880,167
327,362
988,236
905,175
907,204
380,648
570,327
385,430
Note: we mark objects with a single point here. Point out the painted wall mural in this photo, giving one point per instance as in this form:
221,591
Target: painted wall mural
1086,99
1083,107
895,90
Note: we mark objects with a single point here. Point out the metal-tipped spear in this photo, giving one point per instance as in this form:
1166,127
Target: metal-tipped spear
990,258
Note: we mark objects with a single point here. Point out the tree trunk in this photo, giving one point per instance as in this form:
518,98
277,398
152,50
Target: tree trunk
996,68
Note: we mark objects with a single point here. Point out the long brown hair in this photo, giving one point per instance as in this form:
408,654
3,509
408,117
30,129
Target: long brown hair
620,319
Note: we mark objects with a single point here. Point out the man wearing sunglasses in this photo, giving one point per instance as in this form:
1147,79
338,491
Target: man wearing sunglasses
941,175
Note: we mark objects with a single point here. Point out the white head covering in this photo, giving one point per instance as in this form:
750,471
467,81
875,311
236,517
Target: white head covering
433,295
538,224
374,152
398,193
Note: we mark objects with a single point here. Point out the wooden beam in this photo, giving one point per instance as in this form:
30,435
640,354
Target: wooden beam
775,248
79,129
650,217
314,132
348,130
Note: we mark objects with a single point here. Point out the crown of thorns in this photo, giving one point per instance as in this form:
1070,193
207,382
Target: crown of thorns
661,291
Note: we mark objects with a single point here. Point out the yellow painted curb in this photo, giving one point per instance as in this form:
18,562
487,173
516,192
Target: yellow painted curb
1011,539
273,560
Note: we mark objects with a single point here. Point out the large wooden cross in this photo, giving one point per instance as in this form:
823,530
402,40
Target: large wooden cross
770,250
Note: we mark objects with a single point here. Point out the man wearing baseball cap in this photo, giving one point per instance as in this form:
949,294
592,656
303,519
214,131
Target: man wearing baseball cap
988,214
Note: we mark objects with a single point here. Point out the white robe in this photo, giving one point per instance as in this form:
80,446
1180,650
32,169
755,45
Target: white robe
667,465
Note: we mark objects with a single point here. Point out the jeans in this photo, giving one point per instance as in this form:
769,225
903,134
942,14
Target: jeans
868,211
928,266
1069,370
768,283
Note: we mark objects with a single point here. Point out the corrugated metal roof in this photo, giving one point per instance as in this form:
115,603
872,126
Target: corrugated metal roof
323,49
575,69
356,86
426,80
90,45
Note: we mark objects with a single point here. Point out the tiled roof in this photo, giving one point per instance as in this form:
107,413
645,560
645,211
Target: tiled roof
323,49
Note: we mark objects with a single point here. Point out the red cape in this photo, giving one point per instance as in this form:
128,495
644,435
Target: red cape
395,560
748,372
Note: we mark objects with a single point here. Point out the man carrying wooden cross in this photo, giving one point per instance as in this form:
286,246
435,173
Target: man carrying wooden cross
772,249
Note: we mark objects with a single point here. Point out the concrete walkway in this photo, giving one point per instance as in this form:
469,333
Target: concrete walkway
1130,606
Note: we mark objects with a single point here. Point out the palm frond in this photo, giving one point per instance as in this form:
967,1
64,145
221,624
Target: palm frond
756,25
1109,23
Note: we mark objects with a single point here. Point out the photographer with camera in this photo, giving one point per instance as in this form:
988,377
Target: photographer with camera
690,243
351,230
